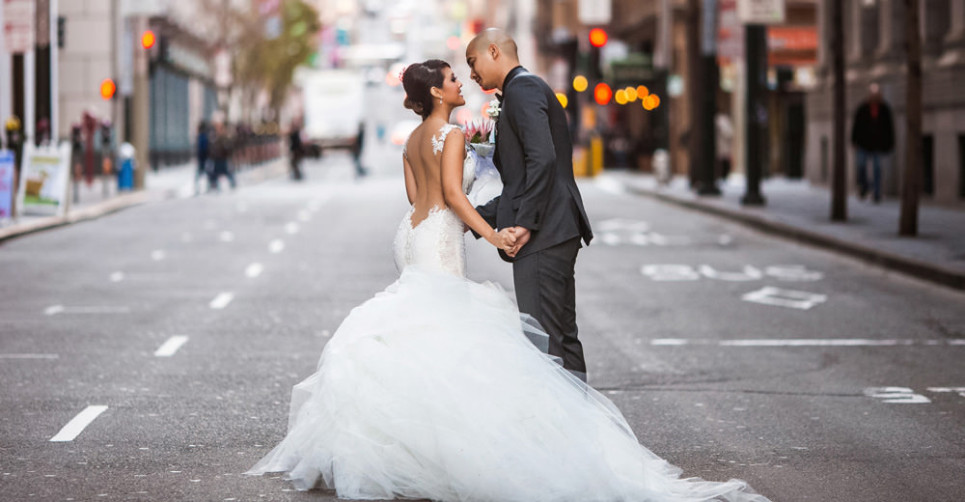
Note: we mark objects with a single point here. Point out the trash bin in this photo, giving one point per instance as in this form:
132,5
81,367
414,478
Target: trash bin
125,175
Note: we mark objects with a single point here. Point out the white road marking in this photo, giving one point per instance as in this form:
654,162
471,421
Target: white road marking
168,348
304,216
29,356
748,274
793,273
670,273
117,277
291,227
222,300
803,342
78,423
157,254
787,298
108,309
254,270
276,246
896,395
959,390
226,236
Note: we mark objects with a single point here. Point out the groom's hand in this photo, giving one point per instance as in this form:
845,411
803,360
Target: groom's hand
522,237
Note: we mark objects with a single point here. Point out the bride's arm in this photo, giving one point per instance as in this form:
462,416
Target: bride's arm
410,186
453,156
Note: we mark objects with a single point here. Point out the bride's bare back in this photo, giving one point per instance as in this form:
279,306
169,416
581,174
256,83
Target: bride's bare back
424,155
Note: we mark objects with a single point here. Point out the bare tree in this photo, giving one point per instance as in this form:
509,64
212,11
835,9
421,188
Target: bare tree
911,186
839,185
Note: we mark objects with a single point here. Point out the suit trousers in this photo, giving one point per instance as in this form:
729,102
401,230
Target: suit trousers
546,289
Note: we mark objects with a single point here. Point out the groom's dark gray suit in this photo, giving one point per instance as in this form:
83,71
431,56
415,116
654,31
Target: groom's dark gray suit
534,157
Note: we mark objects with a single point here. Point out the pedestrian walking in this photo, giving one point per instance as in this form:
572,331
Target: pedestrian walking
296,150
221,149
725,142
203,150
357,152
873,136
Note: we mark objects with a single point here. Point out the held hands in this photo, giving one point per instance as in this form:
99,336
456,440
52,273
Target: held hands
505,239
522,237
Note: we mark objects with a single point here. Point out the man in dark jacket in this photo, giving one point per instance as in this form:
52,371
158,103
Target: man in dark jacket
873,135
221,148
540,199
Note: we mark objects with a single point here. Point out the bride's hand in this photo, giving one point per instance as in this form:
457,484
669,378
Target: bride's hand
505,239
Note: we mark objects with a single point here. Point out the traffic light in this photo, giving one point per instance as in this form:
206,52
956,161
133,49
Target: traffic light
598,37
148,39
602,94
108,88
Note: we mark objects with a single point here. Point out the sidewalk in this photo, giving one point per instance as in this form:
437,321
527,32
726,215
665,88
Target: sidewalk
167,183
799,211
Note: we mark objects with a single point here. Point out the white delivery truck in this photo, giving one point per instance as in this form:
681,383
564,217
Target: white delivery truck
333,106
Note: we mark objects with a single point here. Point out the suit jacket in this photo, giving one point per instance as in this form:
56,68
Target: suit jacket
534,157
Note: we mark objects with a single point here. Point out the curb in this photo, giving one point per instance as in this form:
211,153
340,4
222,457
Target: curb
120,202
910,266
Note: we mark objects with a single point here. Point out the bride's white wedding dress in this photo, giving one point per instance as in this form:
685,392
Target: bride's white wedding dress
431,390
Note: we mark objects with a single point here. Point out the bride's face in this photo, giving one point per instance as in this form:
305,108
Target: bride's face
451,89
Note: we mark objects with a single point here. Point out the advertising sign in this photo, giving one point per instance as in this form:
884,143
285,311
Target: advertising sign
44,180
761,11
6,184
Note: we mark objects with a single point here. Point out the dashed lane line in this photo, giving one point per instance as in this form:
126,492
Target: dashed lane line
78,423
222,300
168,348
254,270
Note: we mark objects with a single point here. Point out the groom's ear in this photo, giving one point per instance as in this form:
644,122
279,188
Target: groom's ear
494,51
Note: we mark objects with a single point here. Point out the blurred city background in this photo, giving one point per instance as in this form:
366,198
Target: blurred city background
740,89
194,194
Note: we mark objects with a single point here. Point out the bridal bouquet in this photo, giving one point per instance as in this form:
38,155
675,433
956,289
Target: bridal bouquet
486,184
480,132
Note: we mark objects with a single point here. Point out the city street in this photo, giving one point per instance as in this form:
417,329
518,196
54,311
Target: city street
150,354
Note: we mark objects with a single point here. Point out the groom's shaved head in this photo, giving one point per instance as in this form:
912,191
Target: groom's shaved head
491,56
497,37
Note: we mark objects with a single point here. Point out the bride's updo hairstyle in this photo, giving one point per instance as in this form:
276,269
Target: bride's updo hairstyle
417,80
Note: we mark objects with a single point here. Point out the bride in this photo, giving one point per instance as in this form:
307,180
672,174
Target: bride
432,390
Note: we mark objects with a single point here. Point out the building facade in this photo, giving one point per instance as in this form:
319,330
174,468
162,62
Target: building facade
875,53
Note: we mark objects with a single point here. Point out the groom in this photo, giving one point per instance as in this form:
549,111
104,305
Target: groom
540,199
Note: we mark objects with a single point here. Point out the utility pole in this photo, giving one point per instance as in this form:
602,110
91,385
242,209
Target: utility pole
707,183
695,90
755,55
911,186
839,184
142,106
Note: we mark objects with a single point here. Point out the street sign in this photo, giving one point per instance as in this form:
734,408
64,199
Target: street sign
593,12
18,25
761,11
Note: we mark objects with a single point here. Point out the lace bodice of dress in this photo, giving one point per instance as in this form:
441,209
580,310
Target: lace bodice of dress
437,242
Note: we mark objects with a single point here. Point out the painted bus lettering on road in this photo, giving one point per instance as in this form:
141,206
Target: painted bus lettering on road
679,272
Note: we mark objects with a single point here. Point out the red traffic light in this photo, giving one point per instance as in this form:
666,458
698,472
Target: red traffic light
598,37
602,93
108,88
148,39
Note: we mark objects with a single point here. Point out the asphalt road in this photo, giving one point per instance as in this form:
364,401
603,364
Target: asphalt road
731,353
